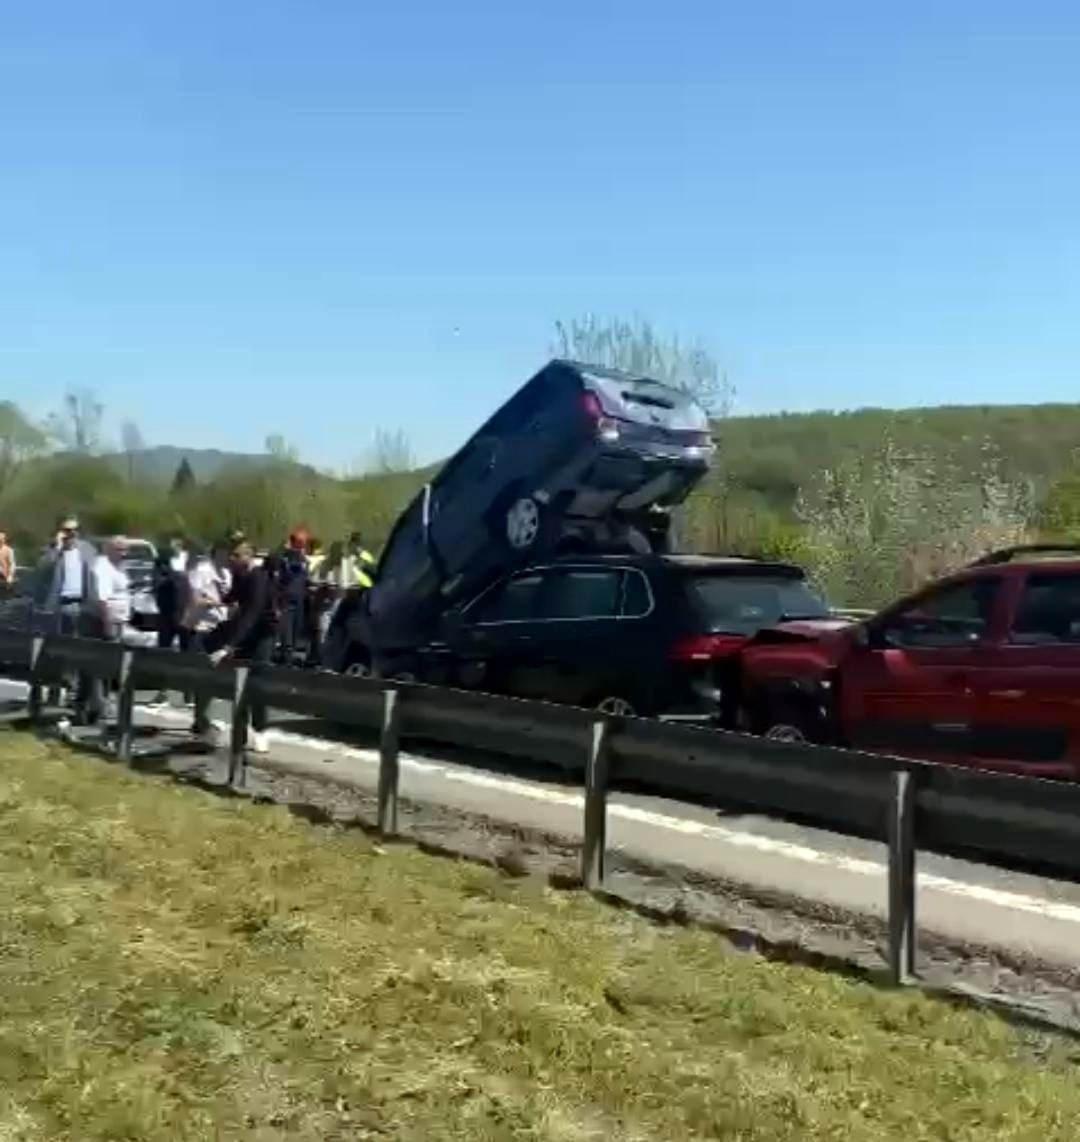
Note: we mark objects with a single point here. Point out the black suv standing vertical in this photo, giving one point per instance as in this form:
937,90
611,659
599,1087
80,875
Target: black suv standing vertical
649,635
580,458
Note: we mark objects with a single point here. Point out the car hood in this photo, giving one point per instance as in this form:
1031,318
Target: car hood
813,628
831,631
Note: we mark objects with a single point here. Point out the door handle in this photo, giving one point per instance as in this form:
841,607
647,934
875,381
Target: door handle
958,679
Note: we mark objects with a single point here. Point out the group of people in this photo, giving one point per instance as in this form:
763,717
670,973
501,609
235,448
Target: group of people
223,601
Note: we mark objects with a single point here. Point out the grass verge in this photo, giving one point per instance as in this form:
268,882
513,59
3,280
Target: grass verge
179,966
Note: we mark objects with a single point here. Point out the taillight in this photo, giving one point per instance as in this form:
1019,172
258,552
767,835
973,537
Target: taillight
594,410
706,647
607,428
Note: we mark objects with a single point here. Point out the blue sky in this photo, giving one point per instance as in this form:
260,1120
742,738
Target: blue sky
326,216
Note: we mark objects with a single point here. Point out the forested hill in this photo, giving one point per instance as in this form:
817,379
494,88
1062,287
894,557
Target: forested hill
774,455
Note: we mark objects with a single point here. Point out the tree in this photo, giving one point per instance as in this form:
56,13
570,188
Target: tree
636,347
879,525
133,443
1059,512
280,449
391,452
77,426
20,440
184,479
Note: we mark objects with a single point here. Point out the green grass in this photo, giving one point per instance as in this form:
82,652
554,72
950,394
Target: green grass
177,966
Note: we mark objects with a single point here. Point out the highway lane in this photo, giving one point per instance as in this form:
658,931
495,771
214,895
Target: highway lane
960,900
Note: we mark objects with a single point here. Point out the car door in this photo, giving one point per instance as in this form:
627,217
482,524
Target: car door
1027,689
578,641
908,690
493,643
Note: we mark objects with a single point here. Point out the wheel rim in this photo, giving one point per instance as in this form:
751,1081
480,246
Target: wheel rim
523,523
785,733
358,670
617,707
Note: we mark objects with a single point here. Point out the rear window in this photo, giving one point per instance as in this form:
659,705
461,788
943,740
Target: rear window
140,553
743,605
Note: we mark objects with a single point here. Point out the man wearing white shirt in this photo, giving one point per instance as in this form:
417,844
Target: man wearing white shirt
113,588
112,591
210,581
180,557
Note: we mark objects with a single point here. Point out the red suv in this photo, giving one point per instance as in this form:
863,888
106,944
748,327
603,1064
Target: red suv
980,669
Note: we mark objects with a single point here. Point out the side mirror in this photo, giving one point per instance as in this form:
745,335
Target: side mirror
861,636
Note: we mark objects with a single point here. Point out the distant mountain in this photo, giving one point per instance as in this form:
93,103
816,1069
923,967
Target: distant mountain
772,456
159,465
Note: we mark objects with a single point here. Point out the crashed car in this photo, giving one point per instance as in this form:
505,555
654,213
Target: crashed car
580,459
979,669
654,635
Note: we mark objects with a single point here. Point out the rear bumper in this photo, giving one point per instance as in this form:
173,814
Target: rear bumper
695,696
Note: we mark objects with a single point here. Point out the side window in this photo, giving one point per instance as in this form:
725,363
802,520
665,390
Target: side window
953,616
1049,611
511,601
637,598
584,594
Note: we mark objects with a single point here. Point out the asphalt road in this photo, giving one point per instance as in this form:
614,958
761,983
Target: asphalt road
962,901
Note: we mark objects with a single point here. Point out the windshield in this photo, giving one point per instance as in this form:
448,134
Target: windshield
139,553
739,605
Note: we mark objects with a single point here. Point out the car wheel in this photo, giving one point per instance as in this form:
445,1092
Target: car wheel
523,523
786,732
616,707
356,662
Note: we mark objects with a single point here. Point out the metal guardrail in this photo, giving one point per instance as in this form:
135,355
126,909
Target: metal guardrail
1004,819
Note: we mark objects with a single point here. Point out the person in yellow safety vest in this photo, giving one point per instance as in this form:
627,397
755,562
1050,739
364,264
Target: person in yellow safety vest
357,568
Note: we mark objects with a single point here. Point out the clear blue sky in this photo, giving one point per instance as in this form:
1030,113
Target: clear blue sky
322,216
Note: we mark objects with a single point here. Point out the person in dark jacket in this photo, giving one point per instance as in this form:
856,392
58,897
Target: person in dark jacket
69,598
293,579
251,631
171,595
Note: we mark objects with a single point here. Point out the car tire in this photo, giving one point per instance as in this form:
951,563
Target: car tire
616,706
792,722
786,732
351,658
522,523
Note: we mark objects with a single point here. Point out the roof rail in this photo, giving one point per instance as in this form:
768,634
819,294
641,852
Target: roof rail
1007,554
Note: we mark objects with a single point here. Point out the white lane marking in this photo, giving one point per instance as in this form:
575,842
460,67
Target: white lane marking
1000,898
1049,909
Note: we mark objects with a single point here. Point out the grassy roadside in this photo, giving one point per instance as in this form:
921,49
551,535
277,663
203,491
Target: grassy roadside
176,966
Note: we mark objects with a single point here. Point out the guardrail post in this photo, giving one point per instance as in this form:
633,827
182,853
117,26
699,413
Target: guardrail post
596,786
901,833
125,708
389,767
33,703
241,713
